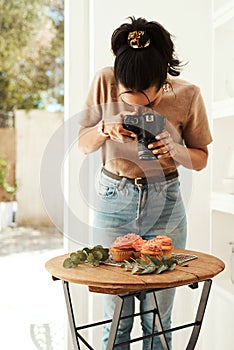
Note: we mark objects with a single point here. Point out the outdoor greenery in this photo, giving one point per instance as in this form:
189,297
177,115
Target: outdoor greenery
31,54
3,182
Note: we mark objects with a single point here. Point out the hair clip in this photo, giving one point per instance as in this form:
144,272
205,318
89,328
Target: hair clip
138,39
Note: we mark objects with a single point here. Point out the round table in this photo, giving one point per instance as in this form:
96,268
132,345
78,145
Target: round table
110,279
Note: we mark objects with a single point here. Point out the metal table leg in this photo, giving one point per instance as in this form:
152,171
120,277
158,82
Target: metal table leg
71,318
115,322
200,314
156,319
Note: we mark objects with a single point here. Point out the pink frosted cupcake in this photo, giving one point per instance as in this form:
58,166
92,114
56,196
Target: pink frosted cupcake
166,245
137,246
120,255
152,248
123,247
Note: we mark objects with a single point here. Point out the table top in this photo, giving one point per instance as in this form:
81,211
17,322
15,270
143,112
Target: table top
115,280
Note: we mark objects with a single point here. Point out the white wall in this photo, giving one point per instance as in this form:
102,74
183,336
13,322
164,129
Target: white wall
93,22
34,130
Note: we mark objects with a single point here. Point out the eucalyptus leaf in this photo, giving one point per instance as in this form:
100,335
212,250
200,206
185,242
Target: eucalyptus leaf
97,254
149,269
105,253
75,258
68,263
142,262
155,261
172,267
135,268
96,263
87,250
82,255
141,266
90,258
161,269
93,255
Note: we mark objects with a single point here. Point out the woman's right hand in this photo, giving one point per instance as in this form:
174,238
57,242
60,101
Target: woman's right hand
114,128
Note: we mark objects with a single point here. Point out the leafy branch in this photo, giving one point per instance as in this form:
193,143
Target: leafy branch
93,256
140,266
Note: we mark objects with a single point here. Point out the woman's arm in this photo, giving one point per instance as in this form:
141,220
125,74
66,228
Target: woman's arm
90,139
191,158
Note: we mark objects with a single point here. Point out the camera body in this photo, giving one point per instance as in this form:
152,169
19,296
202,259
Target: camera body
146,126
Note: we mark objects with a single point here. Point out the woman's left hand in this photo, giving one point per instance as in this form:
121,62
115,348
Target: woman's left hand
164,146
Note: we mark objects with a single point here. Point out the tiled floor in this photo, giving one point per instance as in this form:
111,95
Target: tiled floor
32,308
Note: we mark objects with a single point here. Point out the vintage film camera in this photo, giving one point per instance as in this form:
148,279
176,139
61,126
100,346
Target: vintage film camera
146,126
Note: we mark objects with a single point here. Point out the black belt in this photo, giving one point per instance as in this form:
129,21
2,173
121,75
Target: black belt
142,181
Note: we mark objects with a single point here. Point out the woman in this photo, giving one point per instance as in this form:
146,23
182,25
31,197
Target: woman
139,189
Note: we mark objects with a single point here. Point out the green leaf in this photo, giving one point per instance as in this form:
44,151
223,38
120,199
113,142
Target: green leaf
68,263
93,259
155,261
97,254
135,268
172,267
81,255
140,266
184,264
96,263
127,265
74,258
93,255
165,259
78,257
90,258
105,253
149,269
87,250
161,269
141,262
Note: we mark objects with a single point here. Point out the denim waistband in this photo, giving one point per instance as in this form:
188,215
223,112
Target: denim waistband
142,181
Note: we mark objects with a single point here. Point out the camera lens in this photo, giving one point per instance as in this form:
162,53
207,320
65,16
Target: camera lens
134,120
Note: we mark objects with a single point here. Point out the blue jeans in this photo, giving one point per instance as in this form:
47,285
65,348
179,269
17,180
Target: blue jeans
156,209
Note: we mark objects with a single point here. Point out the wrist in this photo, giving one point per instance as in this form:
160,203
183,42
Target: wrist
101,129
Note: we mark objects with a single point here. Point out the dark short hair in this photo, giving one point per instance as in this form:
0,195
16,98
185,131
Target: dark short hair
139,69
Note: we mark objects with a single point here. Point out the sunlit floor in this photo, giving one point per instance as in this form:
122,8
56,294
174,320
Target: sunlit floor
32,308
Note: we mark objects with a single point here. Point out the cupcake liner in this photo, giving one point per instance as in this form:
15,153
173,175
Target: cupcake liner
119,256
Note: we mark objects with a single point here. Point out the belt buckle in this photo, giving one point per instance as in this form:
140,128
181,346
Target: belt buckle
139,184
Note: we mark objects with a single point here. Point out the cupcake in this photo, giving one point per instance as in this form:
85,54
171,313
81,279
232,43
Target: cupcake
166,245
152,248
119,255
123,247
137,246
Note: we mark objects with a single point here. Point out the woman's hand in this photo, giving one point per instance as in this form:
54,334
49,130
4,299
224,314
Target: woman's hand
191,158
164,146
114,128
90,138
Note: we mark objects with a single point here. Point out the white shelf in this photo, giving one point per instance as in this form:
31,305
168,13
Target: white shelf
222,202
223,14
223,109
